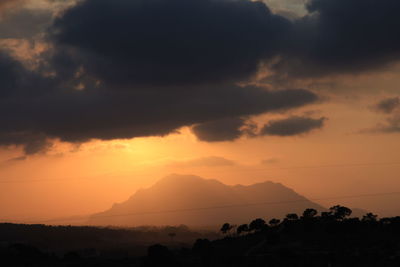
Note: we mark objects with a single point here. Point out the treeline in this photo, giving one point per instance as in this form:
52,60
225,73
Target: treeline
332,238
48,237
44,245
335,213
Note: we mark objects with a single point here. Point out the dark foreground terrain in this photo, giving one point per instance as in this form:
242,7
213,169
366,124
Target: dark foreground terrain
327,239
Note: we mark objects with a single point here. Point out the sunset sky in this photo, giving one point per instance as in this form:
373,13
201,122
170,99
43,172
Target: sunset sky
99,98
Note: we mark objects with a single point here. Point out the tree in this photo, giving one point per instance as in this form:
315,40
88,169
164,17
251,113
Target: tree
274,222
257,225
226,227
242,229
292,217
326,214
340,212
369,217
310,213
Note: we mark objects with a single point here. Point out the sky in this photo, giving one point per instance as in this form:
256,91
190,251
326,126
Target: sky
99,98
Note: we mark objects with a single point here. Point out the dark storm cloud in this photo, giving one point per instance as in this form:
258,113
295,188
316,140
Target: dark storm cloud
344,36
18,84
32,142
159,42
29,117
388,105
10,71
292,126
124,69
220,130
149,67
83,115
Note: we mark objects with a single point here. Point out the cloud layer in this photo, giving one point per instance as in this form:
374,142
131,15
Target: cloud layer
388,105
158,42
124,69
343,36
113,71
291,126
391,108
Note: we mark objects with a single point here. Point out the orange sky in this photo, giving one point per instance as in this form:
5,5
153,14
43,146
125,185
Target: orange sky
82,180
73,180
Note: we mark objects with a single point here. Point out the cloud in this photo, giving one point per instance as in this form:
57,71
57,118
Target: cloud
124,69
25,23
115,72
220,130
343,36
119,43
22,158
32,142
8,4
175,42
292,126
391,107
204,162
388,105
288,8
390,126
35,109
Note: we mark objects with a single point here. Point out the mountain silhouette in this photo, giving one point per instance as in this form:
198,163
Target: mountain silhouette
194,201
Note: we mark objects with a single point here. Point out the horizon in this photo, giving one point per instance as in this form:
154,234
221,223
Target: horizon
101,99
83,219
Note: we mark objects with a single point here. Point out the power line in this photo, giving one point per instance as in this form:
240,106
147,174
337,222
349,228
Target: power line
228,206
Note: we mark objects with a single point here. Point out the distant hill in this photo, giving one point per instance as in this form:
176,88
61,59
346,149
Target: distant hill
194,201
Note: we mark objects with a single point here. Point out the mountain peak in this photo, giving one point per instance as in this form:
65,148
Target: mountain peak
192,200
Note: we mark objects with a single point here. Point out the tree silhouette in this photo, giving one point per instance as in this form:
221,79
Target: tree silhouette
326,214
257,225
292,217
242,229
340,212
369,217
226,228
274,222
310,213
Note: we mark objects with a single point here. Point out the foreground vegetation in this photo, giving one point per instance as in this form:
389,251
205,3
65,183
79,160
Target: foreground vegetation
328,239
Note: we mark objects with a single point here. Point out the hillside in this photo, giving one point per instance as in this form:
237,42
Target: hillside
194,201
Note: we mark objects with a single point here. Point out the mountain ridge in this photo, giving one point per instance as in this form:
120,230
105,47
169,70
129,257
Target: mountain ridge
195,201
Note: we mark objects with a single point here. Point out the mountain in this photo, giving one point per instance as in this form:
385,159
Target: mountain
194,201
